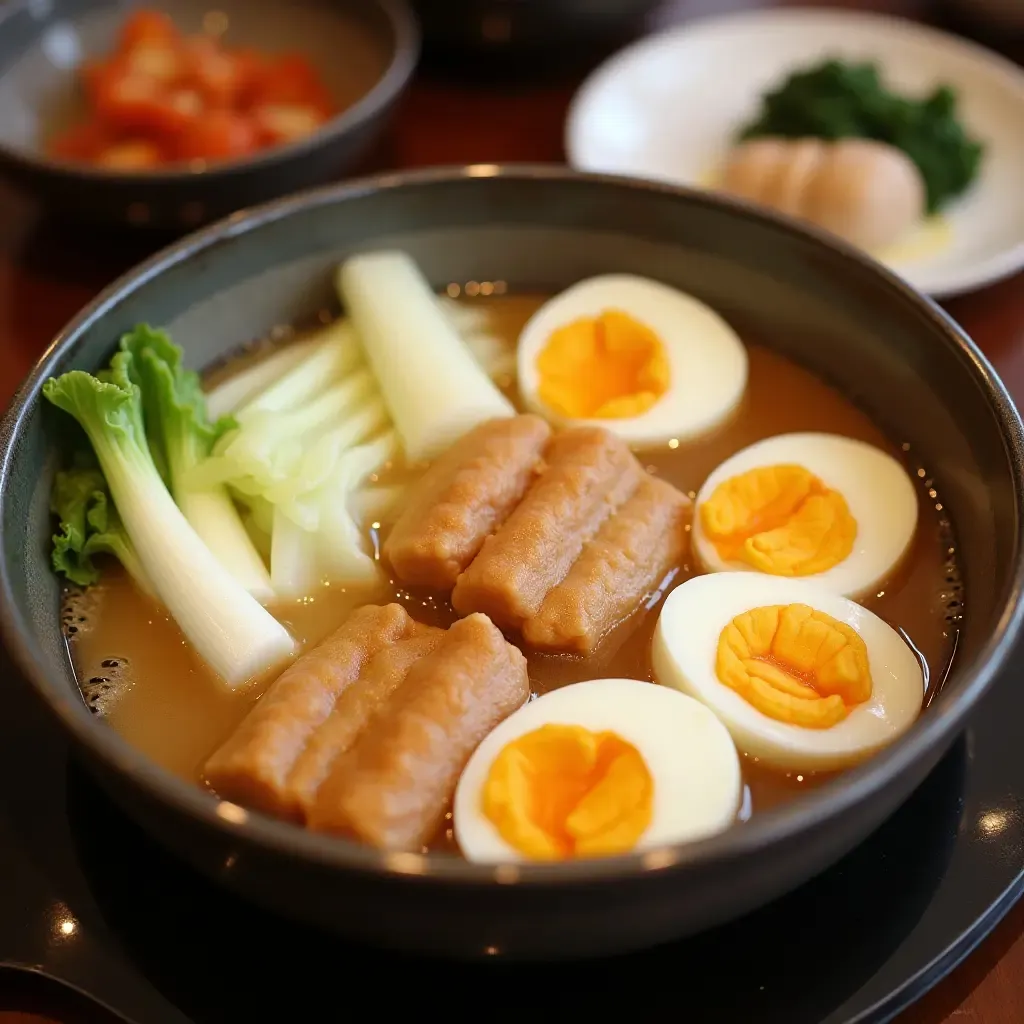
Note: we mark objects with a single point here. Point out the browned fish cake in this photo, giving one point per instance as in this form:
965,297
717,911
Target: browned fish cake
356,706
618,568
392,787
589,472
464,496
254,766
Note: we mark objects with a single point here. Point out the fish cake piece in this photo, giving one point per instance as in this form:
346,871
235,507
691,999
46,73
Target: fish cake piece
627,558
392,787
795,174
868,192
253,765
354,708
752,166
865,191
463,497
589,473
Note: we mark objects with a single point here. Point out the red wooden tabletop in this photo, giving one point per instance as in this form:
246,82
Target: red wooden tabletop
48,271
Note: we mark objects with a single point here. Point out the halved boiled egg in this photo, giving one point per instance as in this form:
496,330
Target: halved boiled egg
830,509
804,679
597,769
639,358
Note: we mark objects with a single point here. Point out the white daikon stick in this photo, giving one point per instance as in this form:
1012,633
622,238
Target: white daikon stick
434,389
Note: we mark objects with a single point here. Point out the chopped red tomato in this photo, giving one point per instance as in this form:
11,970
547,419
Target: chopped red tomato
147,27
138,103
285,122
220,135
159,61
251,67
214,72
162,96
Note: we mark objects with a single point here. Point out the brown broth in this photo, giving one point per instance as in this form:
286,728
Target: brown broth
137,670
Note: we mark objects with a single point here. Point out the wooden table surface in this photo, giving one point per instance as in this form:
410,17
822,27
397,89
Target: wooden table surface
48,271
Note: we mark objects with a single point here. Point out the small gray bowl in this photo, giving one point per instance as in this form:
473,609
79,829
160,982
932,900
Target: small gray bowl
366,51
815,300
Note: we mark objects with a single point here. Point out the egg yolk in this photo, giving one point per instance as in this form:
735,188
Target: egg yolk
562,791
608,367
795,664
780,520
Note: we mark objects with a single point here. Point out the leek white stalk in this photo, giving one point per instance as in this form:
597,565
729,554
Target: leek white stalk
236,636
260,510
434,389
260,538
372,504
243,387
268,449
180,435
321,459
338,354
295,568
215,518
332,550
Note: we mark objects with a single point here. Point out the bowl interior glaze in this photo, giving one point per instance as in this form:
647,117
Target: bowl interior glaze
894,353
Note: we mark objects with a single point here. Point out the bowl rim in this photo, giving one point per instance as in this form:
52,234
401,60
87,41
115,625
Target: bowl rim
402,63
931,731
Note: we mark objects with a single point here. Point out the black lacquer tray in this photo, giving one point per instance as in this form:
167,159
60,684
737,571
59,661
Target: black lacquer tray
88,899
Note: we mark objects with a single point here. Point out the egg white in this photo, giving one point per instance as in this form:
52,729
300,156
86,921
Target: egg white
689,753
707,360
878,491
686,644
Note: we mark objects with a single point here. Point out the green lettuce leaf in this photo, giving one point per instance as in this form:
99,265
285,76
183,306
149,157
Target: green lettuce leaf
89,526
173,404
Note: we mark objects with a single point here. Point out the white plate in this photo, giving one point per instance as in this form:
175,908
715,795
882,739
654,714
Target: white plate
666,109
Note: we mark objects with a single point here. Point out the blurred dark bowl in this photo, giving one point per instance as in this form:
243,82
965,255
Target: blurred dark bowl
525,36
365,50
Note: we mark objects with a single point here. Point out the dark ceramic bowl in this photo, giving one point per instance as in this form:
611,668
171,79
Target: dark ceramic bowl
365,50
843,316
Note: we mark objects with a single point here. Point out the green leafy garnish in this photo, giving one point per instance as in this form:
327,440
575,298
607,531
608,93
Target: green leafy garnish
838,100
173,404
89,526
